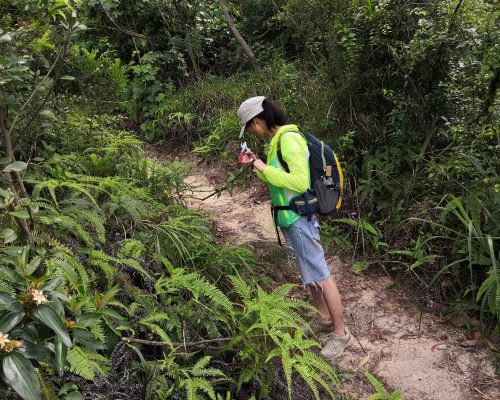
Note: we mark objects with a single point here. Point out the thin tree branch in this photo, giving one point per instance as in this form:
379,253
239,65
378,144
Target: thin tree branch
35,91
64,51
125,31
20,221
176,344
239,38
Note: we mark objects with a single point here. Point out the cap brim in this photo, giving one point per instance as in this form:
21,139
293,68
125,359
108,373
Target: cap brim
242,131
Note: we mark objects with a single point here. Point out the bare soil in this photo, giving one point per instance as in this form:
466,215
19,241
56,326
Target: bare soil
404,345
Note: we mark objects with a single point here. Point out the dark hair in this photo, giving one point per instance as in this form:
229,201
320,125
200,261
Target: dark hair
272,114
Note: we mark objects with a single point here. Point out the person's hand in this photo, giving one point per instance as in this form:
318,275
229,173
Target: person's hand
246,158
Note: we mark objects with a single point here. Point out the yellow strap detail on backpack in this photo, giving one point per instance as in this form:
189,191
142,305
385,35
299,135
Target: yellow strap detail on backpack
341,180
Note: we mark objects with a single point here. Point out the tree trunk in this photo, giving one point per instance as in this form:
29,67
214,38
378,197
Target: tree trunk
188,29
194,63
239,38
7,139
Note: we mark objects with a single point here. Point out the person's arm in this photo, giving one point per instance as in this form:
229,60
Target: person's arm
293,149
259,174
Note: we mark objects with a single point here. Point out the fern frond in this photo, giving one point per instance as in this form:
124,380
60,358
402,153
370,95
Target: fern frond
199,286
241,287
160,332
379,388
287,368
47,387
44,238
205,386
87,364
200,364
102,260
70,269
91,217
132,248
98,332
309,376
7,287
68,223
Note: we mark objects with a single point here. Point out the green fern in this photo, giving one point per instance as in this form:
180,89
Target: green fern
87,364
81,210
46,385
7,287
132,248
77,185
196,380
197,285
381,392
98,332
100,259
68,223
70,269
44,238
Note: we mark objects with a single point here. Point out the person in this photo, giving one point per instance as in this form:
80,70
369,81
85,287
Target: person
266,120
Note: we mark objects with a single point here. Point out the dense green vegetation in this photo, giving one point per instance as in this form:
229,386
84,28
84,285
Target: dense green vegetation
97,246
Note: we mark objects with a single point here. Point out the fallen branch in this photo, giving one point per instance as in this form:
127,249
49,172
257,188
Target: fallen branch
187,344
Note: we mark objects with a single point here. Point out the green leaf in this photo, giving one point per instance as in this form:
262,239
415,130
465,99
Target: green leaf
20,214
16,166
10,239
87,338
69,391
34,351
5,38
48,316
360,266
67,78
61,351
10,320
5,233
19,373
12,276
8,302
48,114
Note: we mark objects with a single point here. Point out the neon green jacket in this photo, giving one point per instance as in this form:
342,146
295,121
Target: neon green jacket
285,185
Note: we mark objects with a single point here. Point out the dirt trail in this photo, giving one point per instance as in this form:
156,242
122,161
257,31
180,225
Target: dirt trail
419,353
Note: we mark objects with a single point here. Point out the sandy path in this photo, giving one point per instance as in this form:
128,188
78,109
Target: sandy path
430,360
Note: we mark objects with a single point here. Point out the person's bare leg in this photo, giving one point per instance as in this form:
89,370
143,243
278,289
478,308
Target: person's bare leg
329,302
319,302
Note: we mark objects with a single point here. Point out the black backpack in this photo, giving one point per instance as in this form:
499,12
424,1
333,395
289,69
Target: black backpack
325,194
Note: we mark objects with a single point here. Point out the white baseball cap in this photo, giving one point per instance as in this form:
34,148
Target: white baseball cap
248,109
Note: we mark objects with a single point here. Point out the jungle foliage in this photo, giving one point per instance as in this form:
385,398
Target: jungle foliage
111,288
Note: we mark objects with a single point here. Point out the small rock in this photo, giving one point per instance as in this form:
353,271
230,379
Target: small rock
459,319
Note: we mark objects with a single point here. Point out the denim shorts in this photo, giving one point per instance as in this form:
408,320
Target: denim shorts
304,248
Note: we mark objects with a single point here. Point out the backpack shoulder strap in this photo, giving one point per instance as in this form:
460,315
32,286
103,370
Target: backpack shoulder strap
281,160
280,154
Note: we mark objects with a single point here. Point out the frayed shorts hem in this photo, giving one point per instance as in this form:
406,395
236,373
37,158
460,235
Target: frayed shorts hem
305,249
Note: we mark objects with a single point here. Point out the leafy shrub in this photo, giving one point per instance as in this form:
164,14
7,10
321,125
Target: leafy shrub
47,314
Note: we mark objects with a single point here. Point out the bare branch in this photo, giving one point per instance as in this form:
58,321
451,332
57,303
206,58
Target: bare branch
239,38
187,344
125,31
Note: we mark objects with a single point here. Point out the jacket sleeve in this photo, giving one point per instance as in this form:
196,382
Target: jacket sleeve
260,175
293,149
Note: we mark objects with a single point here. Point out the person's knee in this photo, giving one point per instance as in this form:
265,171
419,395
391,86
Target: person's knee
321,285
327,281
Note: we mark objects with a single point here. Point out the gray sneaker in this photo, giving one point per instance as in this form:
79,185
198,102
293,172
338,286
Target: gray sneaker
317,326
336,345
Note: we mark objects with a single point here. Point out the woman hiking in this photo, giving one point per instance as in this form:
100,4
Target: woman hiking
265,119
